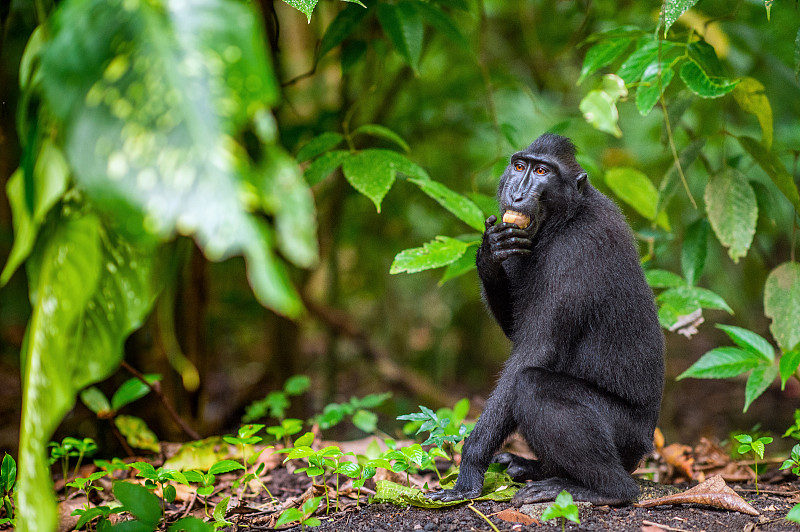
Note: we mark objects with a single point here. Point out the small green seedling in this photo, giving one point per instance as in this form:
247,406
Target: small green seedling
445,432
205,482
219,513
302,515
288,427
8,478
69,447
794,461
794,430
160,477
360,473
564,508
245,439
318,461
359,409
749,445
87,486
147,511
407,457
276,403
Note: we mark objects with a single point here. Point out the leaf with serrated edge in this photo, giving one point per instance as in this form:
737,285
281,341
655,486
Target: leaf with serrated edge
722,363
403,26
435,254
757,383
704,85
751,96
370,173
732,210
663,279
602,54
462,207
749,341
304,6
774,168
782,304
672,10
788,365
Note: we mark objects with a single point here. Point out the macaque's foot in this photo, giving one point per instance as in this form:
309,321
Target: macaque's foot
454,495
518,468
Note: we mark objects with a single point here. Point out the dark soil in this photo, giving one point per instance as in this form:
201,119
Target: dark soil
772,503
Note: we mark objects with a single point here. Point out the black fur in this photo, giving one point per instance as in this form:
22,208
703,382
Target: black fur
584,380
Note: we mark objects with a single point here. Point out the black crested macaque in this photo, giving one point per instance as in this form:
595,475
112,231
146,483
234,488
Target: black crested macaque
583,384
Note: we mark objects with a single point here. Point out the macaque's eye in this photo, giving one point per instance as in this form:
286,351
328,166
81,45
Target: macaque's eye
519,167
540,170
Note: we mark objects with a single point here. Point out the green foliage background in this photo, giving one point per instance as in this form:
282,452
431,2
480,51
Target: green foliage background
153,143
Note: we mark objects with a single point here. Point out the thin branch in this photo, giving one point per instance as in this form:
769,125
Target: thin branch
156,389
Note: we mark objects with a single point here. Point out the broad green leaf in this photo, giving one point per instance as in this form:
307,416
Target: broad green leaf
688,298
371,173
672,10
149,124
289,515
382,132
49,181
137,433
774,168
750,341
344,24
131,390
496,487
646,53
706,58
782,304
647,95
402,25
600,110
732,210
296,384
757,383
190,524
789,362
603,54
434,254
319,144
8,473
694,250
225,466
723,363
635,188
703,85
460,206
221,509
95,400
325,165
663,279
751,96
139,501
365,420
304,6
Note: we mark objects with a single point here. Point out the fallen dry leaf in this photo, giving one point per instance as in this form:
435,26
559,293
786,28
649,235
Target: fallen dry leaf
679,457
713,492
510,515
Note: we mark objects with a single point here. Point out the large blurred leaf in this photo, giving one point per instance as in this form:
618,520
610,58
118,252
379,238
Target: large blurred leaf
635,188
434,254
89,290
704,85
602,54
345,22
782,304
599,107
403,26
460,206
151,97
774,168
751,96
732,210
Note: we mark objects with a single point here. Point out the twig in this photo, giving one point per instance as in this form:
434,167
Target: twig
117,434
156,389
665,527
472,507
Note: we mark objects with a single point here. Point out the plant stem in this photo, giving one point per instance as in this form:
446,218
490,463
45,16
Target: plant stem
472,507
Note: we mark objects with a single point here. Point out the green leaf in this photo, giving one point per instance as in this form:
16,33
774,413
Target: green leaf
372,172
723,363
382,132
49,181
296,384
732,210
95,400
319,144
304,6
225,466
768,6
325,165
703,85
663,279
744,438
794,514
635,188
706,57
365,420
757,383
433,254
137,433
789,362
460,206
750,341
694,250
221,509
600,110
645,55
751,96
672,10
8,473
131,390
345,22
139,501
782,304
402,25
190,524
647,95
774,168
603,54
443,24
671,180
289,515
463,265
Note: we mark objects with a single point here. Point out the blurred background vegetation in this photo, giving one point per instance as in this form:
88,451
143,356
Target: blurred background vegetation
486,78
